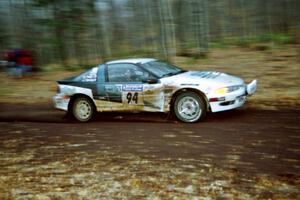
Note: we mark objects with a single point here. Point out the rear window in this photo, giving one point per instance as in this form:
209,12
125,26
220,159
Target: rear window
88,76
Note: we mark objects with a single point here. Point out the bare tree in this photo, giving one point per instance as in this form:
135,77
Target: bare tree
86,31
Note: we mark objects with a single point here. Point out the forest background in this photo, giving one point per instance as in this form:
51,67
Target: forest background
87,32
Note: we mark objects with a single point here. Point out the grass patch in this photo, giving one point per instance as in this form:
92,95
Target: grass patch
263,42
4,90
277,38
191,61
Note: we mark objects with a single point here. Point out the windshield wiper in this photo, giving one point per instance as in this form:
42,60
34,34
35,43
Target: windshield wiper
173,73
180,72
167,74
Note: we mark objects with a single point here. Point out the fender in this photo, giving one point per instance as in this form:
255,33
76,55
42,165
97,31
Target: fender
62,99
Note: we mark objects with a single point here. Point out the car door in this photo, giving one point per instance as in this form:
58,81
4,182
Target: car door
124,86
128,87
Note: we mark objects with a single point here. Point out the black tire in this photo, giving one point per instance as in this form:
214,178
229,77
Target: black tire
189,107
83,109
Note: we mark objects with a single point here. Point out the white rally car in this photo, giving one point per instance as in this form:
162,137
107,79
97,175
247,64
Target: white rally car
146,84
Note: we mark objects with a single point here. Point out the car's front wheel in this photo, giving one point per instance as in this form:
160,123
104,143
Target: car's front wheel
189,107
83,109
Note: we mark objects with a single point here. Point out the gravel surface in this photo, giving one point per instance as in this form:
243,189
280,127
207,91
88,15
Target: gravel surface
243,154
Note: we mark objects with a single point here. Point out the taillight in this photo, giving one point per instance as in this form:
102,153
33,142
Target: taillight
58,89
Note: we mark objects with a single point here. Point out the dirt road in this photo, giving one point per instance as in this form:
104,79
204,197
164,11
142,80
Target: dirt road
240,154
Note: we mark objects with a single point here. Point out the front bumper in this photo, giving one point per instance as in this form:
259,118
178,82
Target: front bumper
234,99
251,87
61,102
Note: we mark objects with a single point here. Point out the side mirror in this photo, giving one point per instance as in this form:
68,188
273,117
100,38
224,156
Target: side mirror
150,80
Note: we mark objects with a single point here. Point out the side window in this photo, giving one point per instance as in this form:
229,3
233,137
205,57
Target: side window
125,73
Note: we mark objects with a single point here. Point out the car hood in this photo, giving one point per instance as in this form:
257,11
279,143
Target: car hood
204,78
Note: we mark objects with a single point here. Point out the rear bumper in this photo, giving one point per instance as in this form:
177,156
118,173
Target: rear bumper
61,102
233,100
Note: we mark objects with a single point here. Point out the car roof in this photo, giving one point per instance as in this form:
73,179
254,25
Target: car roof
133,60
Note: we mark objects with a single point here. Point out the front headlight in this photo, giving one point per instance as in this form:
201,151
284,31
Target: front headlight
229,89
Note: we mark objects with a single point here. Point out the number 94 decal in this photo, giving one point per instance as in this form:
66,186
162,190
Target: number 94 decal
132,97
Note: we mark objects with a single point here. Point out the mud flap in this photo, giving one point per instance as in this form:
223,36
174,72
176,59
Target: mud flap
251,87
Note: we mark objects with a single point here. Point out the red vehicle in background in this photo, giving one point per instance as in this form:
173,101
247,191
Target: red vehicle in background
19,62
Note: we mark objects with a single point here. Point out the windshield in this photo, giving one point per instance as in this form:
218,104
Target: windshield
161,69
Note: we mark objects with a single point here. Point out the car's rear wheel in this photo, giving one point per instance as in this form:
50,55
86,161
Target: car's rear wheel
189,107
83,109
